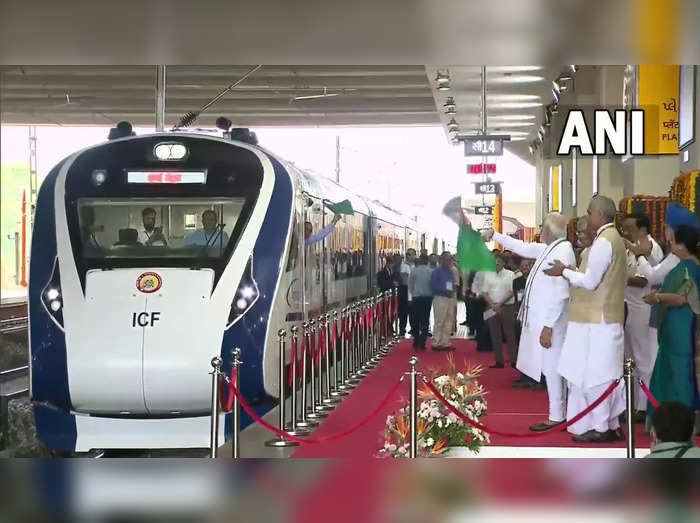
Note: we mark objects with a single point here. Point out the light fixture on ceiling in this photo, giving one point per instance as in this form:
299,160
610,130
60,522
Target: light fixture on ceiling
553,108
556,87
540,133
555,95
450,107
445,86
573,68
531,148
452,125
547,119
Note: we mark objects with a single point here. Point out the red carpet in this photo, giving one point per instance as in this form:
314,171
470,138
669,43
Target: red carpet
509,410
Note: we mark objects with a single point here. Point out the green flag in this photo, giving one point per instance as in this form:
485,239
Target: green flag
472,253
343,207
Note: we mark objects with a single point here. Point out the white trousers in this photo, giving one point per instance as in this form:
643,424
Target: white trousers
556,393
604,417
641,345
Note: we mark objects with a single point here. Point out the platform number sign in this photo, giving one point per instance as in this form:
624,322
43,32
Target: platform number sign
483,145
484,210
487,188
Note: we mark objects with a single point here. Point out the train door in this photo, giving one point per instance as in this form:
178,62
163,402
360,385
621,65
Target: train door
313,258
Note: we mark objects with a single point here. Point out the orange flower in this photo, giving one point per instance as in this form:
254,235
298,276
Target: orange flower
402,427
440,446
424,392
422,426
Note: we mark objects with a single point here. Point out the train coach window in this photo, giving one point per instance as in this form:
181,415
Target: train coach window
171,228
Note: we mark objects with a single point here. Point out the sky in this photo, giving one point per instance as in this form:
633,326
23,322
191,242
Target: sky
412,169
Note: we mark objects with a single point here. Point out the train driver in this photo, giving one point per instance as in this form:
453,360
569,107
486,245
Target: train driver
149,234
211,235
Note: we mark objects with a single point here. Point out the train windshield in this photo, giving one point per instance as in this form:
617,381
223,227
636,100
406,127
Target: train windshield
157,227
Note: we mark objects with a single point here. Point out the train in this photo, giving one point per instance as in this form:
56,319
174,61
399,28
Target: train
151,254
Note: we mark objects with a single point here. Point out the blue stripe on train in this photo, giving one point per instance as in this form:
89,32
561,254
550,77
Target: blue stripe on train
249,333
48,343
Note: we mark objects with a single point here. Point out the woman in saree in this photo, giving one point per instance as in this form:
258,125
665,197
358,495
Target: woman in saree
675,376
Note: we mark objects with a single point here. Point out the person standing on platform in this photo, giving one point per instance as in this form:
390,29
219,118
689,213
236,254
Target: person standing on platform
385,277
676,374
500,315
593,351
420,290
481,329
638,344
442,285
519,284
655,275
543,313
457,293
404,273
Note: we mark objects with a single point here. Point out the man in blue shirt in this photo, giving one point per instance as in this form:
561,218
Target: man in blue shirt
310,239
211,235
443,286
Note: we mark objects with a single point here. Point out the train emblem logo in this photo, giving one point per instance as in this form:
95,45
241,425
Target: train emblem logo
149,282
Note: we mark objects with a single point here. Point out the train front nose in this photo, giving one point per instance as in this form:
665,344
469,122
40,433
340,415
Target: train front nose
150,336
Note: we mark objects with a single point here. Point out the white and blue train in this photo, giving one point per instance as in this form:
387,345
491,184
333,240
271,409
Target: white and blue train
152,254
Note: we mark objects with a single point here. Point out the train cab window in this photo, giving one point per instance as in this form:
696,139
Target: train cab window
157,228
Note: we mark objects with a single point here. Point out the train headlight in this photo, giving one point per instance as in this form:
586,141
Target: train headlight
99,176
170,151
51,297
245,297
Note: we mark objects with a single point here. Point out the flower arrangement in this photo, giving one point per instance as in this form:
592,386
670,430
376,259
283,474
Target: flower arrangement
438,429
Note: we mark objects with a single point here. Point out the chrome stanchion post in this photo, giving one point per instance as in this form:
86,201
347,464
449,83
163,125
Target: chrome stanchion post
314,412
344,383
362,326
293,429
214,426
413,408
339,390
321,408
305,422
281,441
328,399
397,336
236,408
629,403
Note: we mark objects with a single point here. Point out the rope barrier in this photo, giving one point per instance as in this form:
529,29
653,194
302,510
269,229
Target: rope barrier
556,428
225,393
654,402
325,439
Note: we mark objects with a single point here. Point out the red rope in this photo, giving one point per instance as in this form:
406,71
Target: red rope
557,428
654,402
334,336
226,390
325,439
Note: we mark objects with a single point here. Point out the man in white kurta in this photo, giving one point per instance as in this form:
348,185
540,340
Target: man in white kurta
543,312
593,350
638,335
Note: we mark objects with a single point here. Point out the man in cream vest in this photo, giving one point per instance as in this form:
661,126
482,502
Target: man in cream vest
543,311
593,350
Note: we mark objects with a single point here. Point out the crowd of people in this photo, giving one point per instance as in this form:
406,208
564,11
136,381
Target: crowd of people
570,313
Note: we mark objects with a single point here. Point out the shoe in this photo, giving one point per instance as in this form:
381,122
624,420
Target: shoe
592,436
522,384
521,379
544,425
538,386
512,365
640,416
496,366
430,335
443,348
464,323
615,435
